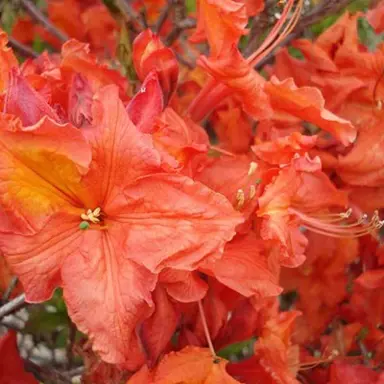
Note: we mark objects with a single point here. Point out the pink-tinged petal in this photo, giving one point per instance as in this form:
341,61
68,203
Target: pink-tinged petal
183,286
76,58
157,331
80,101
175,222
150,54
25,102
11,364
121,153
37,259
307,103
108,295
147,104
245,268
7,61
40,170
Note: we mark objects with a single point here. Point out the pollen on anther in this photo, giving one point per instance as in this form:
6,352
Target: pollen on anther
252,168
92,216
240,199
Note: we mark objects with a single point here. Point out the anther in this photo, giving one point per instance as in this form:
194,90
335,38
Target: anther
240,199
252,168
92,216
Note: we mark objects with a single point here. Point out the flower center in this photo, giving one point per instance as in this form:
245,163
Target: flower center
92,216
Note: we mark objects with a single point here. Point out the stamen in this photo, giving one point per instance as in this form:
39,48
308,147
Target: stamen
279,32
92,216
240,199
337,227
252,168
206,330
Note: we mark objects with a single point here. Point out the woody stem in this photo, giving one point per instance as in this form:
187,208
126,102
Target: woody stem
205,327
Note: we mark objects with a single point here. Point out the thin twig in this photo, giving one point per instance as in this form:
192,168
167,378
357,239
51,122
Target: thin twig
318,13
129,13
46,374
22,49
163,16
13,306
11,286
71,342
178,28
38,16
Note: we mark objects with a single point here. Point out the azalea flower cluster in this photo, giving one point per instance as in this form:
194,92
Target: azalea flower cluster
185,202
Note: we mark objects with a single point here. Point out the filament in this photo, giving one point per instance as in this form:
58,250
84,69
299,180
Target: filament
337,227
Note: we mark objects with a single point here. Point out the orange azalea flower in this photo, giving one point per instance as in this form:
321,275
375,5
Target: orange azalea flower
149,54
190,366
11,364
298,195
275,359
91,211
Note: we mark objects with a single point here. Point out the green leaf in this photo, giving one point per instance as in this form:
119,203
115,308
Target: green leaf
237,350
367,34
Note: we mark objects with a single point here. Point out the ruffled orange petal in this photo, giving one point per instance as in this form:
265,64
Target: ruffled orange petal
121,153
231,69
175,222
221,23
308,104
190,365
99,275
245,268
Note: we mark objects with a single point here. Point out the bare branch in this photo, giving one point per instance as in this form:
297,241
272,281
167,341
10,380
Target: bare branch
178,29
163,16
39,17
11,286
47,374
13,306
129,13
20,48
